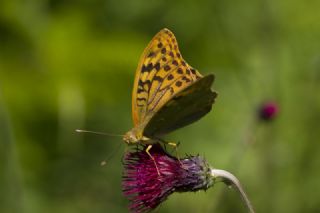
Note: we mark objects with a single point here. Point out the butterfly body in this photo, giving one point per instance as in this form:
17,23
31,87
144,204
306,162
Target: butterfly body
135,136
168,93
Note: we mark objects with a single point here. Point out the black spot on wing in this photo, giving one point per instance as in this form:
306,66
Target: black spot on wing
151,54
157,78
167,68
141,84
140,90
157,66
180,71
178,83
141,99
147,68
174,62
184,78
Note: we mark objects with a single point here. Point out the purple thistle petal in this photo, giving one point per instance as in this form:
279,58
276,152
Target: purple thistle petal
145,189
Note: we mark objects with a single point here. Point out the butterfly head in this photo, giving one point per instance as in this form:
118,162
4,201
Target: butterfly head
135,136
131,137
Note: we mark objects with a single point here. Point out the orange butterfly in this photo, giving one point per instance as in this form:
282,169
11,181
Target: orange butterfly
167,93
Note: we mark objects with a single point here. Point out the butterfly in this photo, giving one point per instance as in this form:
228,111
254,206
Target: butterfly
168,93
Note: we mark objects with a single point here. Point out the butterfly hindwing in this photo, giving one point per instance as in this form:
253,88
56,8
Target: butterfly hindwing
184,108
161,75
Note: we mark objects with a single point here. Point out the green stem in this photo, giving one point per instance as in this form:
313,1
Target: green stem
230,179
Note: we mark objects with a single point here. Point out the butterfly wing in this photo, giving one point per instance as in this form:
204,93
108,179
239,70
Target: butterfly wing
184,108
161,74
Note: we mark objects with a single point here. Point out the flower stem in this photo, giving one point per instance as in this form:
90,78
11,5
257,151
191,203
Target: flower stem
230,179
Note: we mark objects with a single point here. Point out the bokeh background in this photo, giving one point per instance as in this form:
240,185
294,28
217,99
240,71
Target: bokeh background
66,65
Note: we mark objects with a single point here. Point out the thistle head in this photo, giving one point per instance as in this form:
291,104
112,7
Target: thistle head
146,189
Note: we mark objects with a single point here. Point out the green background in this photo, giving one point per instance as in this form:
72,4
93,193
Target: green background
70,64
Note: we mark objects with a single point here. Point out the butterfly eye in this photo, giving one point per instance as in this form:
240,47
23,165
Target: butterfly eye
130,138
133,139
127,138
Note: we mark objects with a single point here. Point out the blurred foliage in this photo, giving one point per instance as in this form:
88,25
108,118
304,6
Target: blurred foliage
70,64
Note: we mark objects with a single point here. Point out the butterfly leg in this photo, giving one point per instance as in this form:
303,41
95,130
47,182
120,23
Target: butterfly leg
147,151
175,146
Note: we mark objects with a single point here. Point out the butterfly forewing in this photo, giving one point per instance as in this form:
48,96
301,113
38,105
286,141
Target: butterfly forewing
161,74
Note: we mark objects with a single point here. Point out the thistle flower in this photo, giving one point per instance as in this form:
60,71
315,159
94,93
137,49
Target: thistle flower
268,111
146,189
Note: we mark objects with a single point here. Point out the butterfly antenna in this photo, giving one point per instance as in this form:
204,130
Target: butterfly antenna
98,133
104,162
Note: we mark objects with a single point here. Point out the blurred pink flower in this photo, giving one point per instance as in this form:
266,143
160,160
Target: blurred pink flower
268,111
